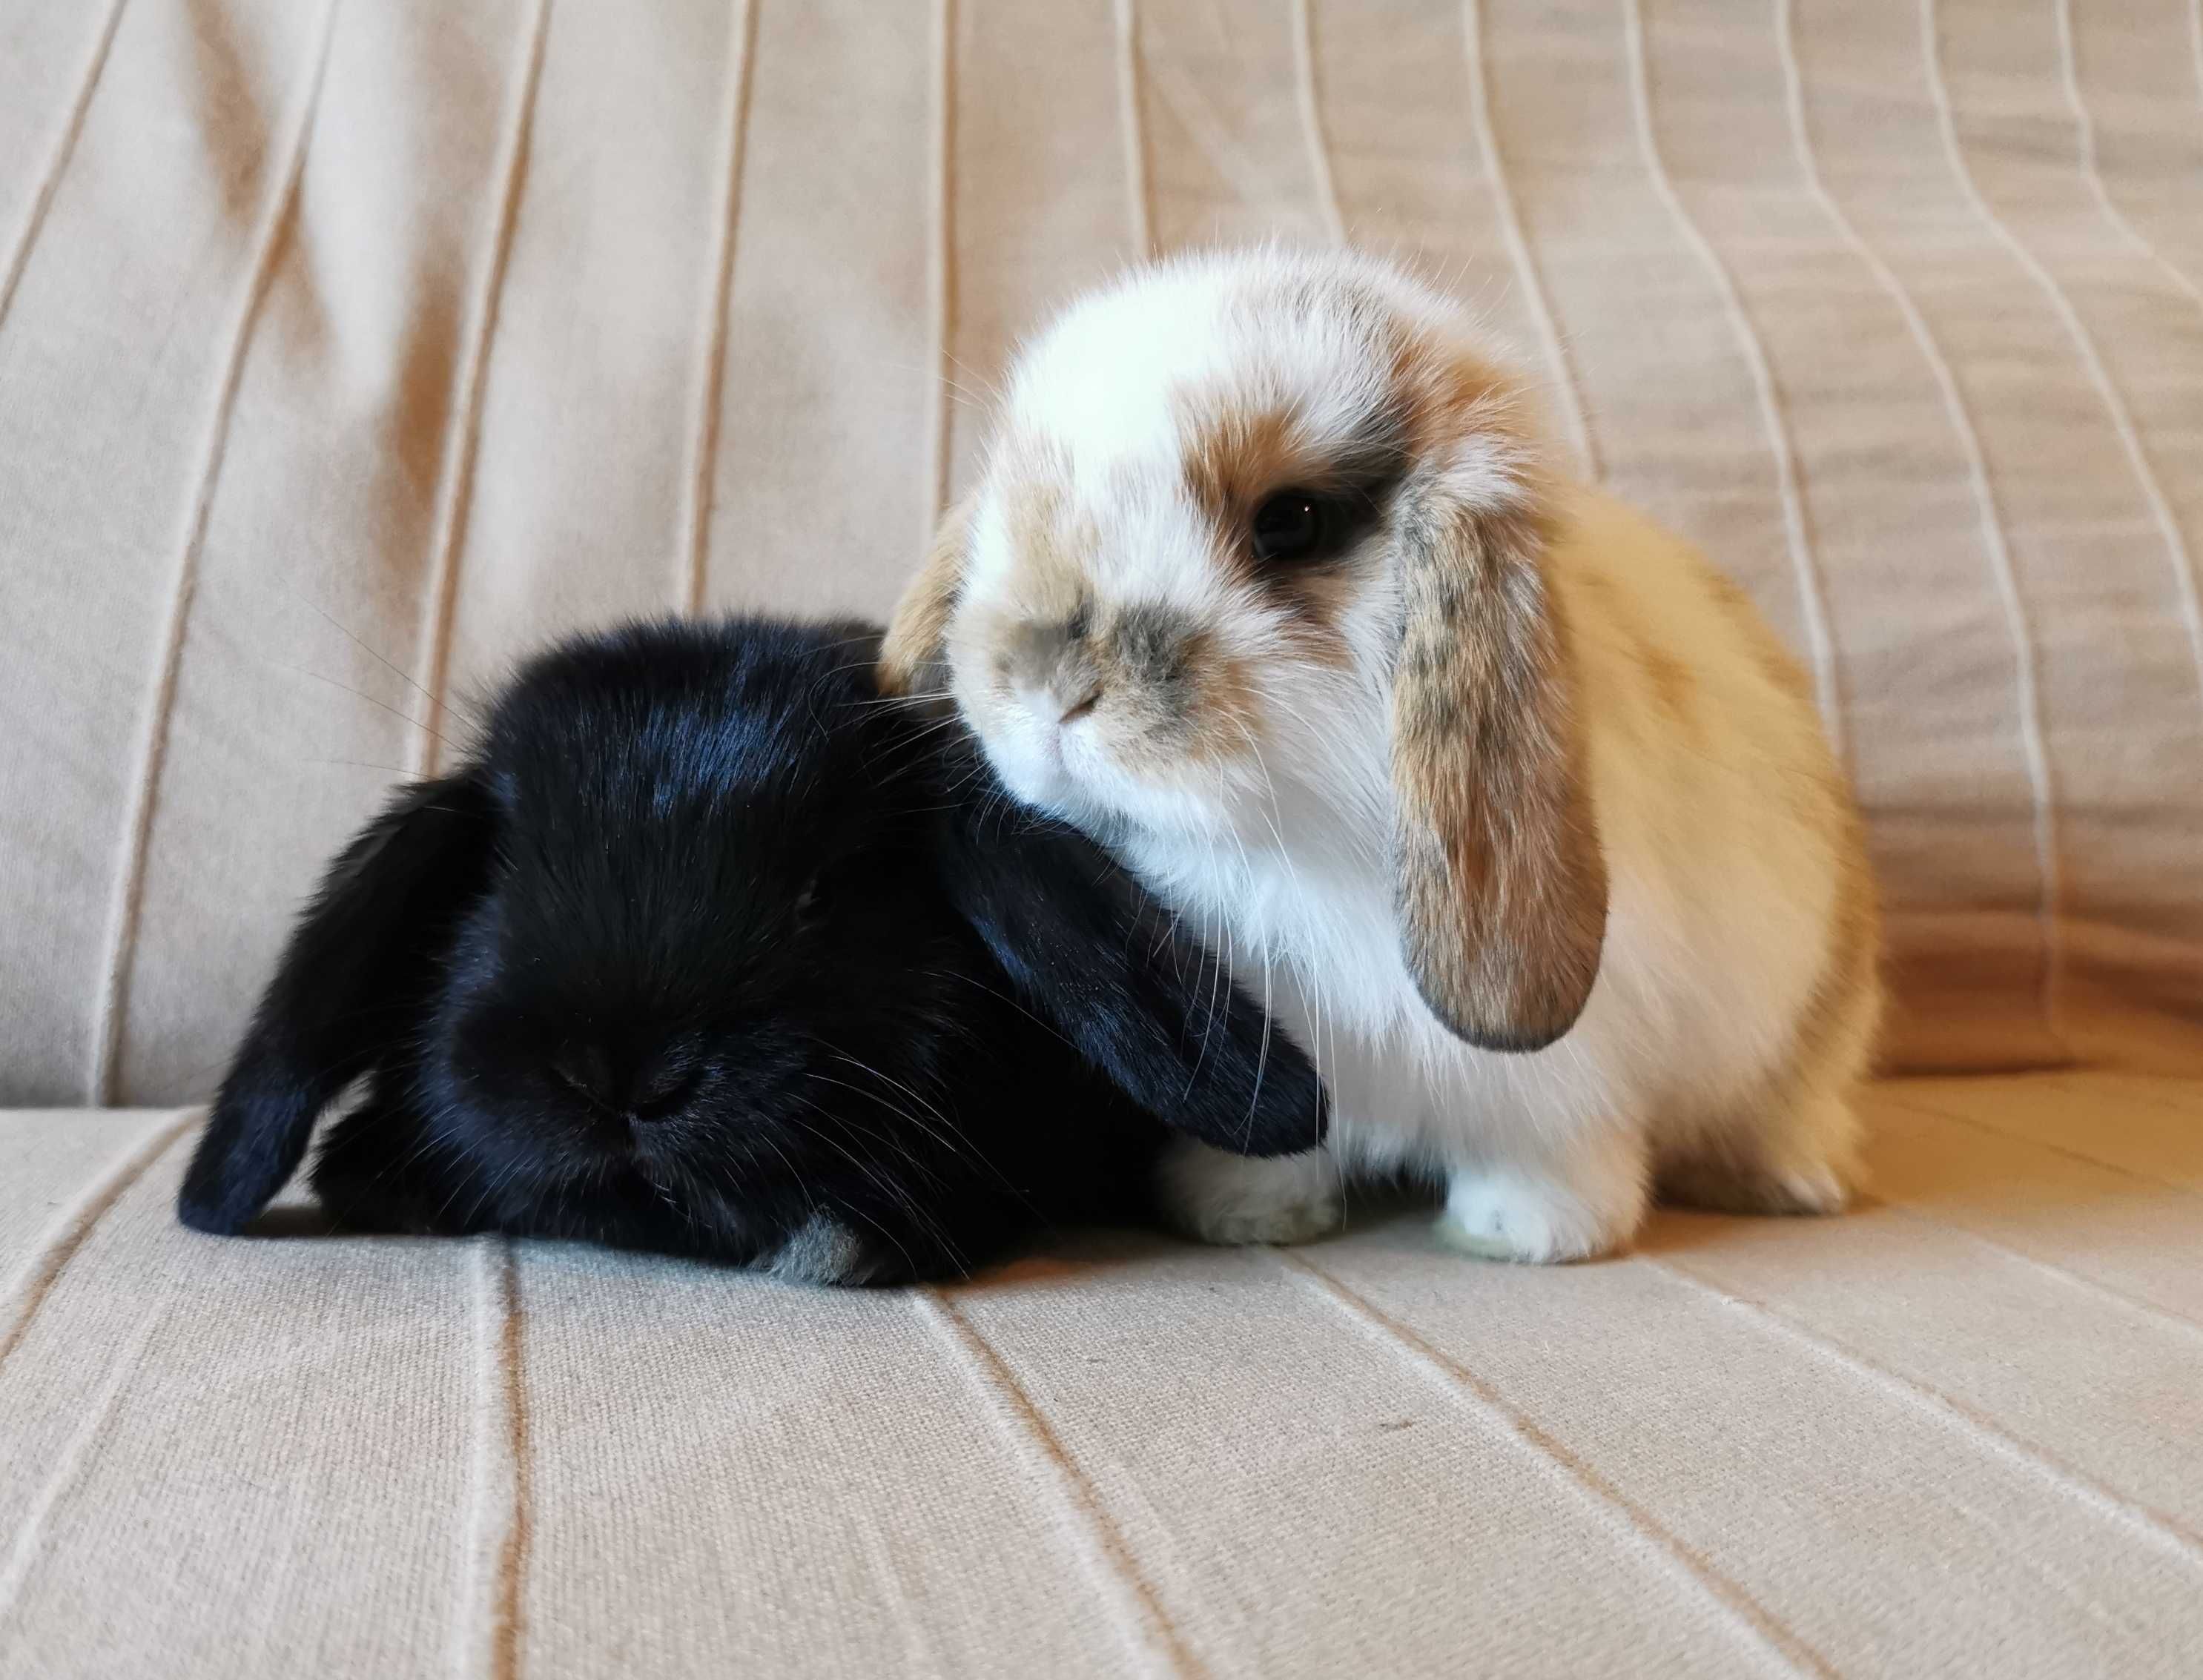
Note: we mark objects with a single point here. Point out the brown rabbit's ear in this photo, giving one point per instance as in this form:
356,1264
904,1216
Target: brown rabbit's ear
1501,886
915,638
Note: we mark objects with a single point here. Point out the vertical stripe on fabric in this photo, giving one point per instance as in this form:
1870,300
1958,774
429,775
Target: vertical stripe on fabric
2195,43
500,1517
49,173
711,337
2084,138
1152,1638
69,1228
455,479
75,1457
1557,361
1131,131
1307,97
2026,701
1639,1529
2072,1486
1812,597
2185,585
112,1008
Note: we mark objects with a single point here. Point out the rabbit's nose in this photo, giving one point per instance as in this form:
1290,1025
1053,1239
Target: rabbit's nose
1075,693
636,1086
1051,668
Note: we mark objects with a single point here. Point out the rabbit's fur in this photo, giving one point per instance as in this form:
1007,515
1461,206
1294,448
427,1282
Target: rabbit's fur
706,949
1509,801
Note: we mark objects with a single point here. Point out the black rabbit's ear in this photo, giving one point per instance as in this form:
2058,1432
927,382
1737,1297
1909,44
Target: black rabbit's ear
350,983
1106,967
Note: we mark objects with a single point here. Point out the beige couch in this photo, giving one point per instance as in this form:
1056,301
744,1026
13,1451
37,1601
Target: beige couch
345,350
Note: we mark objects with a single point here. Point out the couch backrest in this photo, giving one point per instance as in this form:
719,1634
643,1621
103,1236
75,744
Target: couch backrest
345,353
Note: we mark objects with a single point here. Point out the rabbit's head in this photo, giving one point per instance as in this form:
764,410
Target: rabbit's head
1263,527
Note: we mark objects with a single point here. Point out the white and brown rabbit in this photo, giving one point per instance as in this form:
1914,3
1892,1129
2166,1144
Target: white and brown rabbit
1509,802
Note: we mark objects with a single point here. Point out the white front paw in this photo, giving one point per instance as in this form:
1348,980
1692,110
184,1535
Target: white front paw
1508,1215
823,1250
1233,1201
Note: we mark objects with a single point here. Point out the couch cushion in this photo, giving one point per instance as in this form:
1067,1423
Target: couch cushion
1959,1431
345,351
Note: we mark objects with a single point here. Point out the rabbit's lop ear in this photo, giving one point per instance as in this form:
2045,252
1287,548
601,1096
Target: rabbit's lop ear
914,640
1140,998
1501,885
351,984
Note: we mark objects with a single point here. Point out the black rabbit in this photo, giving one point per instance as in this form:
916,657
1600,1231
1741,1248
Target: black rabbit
707,949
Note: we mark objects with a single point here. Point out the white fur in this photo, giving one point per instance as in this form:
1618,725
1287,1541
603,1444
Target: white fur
1722,868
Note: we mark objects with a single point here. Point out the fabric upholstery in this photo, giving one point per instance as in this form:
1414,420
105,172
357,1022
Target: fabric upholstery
348,349
1959,1432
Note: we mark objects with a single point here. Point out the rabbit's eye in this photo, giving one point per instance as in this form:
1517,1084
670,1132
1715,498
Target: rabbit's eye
1297,524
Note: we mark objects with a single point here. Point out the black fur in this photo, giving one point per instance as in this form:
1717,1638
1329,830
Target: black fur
707,950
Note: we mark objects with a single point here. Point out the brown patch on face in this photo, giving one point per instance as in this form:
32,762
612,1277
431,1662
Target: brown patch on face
1223,721
1025,478
1159,693
1235,457
1049,542
1445,395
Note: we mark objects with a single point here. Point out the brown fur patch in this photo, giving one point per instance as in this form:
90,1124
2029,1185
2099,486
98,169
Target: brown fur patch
1674,687
916,637
1235,456
1780,666
1447,398
1051,547
1049,544
1835,1032
1774,661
